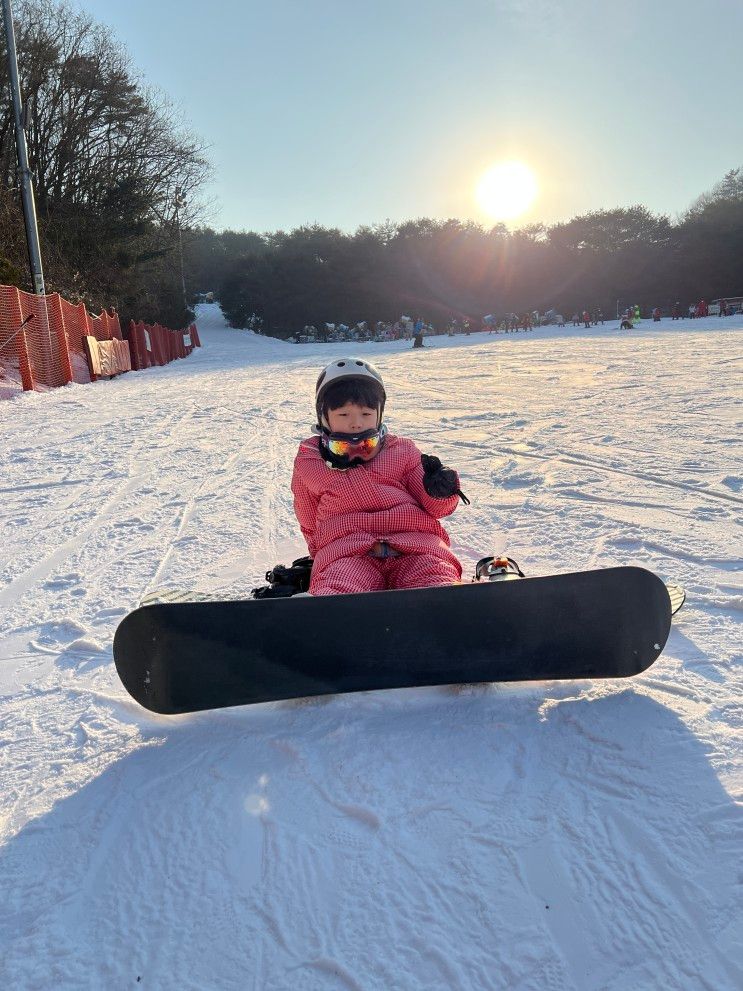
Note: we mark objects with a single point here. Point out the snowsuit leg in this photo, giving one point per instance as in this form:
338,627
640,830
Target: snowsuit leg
358,573
421,571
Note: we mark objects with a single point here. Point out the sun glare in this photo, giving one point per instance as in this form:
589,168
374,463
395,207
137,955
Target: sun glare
506,190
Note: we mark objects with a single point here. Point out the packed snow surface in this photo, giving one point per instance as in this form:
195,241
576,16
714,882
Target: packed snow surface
572,835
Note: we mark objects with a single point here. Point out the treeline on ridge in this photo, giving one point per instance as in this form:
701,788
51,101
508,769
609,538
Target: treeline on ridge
443,268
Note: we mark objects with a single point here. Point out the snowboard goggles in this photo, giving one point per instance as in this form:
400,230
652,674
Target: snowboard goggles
364,445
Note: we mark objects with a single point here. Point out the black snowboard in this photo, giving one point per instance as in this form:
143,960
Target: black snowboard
183,657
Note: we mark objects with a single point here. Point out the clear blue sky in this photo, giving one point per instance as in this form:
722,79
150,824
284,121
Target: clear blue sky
348,113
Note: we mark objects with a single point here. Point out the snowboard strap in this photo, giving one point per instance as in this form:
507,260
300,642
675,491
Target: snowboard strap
285,581
491,567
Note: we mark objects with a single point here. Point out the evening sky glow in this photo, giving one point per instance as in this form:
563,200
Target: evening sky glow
348,114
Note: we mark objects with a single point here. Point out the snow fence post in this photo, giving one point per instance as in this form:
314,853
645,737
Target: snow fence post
27,377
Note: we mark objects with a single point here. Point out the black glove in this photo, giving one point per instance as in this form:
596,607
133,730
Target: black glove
440,482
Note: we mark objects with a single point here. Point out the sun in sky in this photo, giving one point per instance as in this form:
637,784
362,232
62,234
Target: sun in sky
506,190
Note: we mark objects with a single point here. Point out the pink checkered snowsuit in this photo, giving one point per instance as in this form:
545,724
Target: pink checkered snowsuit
343,514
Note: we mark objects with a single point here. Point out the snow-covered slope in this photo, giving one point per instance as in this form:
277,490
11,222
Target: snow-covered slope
552,836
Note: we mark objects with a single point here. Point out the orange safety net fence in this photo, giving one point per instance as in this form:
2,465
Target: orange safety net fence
42,340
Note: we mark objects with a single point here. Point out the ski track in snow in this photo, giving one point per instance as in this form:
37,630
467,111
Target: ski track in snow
557,836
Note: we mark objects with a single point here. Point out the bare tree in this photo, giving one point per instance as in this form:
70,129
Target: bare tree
107,154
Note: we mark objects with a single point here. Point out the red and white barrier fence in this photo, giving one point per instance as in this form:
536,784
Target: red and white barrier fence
46,342
155,345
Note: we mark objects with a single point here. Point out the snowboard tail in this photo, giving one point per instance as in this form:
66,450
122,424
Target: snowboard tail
185,657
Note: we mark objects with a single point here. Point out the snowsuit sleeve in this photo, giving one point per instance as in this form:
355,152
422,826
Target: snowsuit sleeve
305,507
413,482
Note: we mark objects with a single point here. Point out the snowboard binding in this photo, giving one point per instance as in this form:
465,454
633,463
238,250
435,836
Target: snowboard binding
497,569
283,581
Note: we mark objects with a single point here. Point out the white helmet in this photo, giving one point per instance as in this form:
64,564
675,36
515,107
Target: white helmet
348,368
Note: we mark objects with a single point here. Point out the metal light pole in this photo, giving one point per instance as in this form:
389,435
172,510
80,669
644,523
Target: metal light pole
26,184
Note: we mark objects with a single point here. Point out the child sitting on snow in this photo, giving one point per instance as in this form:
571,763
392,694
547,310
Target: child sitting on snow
369,503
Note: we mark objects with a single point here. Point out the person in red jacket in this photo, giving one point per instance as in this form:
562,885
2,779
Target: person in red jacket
368,502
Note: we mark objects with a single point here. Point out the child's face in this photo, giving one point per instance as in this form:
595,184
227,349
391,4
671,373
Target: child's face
351,419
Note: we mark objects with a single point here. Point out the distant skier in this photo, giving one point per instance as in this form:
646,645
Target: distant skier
418,339
368,502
